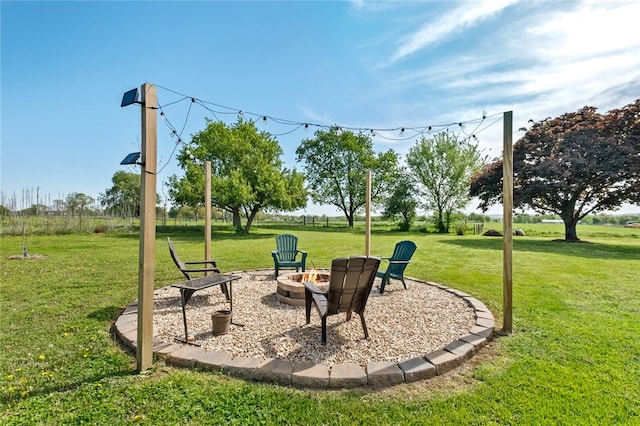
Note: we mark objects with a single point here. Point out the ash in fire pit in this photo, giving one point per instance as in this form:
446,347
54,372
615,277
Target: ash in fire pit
291,291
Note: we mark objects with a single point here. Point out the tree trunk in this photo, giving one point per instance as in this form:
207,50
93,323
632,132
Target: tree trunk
237,224
440,223
250,217
570,233
350,220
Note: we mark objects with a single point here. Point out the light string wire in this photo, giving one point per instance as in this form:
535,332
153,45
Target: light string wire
406,133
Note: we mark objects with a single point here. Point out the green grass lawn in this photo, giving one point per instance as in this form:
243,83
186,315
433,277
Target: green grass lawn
573,356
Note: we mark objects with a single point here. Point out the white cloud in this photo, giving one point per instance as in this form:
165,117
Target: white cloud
454,22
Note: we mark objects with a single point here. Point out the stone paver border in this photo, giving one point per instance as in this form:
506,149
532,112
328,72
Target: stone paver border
321,376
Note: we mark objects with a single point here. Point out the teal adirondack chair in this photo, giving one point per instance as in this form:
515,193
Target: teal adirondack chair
286,253
397,264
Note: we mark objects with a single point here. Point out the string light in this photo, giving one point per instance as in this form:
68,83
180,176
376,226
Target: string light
405,133
217,109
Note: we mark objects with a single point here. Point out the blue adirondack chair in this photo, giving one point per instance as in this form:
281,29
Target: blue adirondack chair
397,264
286,253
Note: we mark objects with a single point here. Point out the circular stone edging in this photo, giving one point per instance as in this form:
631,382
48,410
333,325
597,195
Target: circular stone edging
345,375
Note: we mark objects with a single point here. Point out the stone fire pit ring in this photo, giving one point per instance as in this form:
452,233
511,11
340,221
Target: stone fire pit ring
290,289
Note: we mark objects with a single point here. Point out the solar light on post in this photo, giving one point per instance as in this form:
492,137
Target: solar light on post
146,257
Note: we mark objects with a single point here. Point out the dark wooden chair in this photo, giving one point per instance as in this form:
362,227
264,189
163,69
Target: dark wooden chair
349,287
398,262
286,253
188,270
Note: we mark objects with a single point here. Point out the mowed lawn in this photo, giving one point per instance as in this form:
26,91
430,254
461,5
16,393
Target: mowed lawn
573,357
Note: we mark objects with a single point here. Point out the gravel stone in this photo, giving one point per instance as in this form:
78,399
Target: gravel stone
403,324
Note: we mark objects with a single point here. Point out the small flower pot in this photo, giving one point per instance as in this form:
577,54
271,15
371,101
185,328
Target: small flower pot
221,321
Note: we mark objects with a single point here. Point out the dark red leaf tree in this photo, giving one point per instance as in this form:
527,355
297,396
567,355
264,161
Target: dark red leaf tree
573,165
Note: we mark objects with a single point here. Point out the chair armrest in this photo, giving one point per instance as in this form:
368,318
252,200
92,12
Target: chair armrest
312,288
203,270
400,261
201,262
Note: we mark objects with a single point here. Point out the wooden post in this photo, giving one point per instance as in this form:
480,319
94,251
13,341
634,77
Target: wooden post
146,258
367,249
207,211
507,221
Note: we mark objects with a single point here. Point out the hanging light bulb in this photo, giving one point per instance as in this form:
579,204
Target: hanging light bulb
484,114
306,127
429,130
163,116
402,132
264,119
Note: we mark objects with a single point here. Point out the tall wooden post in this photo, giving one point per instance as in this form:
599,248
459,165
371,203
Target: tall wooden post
207,211
146,258
367,248
507,221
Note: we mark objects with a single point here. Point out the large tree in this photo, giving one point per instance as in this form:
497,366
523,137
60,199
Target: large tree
248,175
402,202
336,165
444,165
123,198
572,165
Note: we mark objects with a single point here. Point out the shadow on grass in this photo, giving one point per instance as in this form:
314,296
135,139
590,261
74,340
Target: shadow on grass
106,314
582,249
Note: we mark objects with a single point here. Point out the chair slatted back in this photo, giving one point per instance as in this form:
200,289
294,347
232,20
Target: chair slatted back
403,252
350,284
287,246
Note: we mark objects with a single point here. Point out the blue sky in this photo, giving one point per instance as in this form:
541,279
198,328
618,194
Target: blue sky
362,64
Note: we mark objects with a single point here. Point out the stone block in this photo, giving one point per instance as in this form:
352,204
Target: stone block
484,322
476,304
461,348
347,376
485,315
243,367
443,360
184,356
311,375
273,370
458,292
215,360
384,373
475,340
166,350
486,332
416,369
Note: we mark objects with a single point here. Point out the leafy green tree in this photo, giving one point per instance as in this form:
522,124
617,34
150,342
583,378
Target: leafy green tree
444,165
248,175
77,202
402,202
123,198
573,165
336,165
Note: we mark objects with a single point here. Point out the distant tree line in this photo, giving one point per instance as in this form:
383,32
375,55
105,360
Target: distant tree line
572,167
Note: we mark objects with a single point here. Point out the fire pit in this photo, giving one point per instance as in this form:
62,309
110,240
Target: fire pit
291,291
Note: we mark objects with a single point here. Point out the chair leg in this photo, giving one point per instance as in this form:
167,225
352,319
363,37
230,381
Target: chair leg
225,290
385,280
324,330
403,283
364,326
307,304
